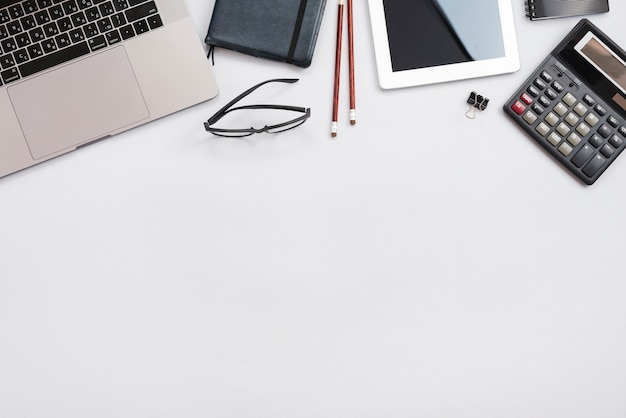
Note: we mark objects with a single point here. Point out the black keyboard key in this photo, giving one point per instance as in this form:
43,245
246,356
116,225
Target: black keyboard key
14,27
35,51
10,75
6,61
118,20
30,6
70,7
155,21
22,40
127,32
65,24
582,156
594,165
113,37
133,3
42,17
28,22
141,26
3,32
16,11
79,19
92,14
8,45
97,43
4,16
91,30
77,35
120,5
56,12
106,9
49,46
48,61
44,3
63,40
105,25
21,55
51,29
84,4
36,35
141,11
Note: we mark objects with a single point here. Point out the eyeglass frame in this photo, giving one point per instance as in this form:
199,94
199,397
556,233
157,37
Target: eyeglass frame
226,109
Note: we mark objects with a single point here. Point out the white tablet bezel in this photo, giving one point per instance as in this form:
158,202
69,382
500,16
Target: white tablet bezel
389,79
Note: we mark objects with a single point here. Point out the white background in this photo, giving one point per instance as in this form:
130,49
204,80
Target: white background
421,264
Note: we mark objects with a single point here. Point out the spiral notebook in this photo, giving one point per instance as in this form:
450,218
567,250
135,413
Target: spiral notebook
281,30
550,9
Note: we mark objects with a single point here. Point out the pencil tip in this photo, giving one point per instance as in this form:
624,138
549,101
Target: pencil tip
333,134
353,122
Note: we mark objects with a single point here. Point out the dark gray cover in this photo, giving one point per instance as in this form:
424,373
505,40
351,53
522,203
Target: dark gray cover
548,9
268,28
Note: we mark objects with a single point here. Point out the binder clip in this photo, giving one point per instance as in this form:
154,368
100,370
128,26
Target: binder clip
476,103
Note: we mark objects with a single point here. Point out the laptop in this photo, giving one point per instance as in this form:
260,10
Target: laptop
73,72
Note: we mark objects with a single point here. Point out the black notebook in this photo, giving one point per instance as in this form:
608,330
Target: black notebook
282,30
549,9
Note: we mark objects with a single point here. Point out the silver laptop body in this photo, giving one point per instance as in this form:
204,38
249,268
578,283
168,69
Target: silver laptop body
124,63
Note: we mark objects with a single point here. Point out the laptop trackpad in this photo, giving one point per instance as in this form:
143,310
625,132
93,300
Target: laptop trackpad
77,103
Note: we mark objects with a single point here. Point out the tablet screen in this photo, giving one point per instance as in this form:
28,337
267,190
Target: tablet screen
427,33
432,41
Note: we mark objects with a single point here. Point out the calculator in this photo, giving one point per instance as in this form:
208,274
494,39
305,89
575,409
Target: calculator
574,103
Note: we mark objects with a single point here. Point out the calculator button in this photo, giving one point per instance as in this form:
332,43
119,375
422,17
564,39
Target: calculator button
574,139
563,129
607,151
529,117
546,76
572,119
580,109
592,120
594,165
543,101
537,108
596,140
612,121
539,84
565,149
622,131
560,109
552,119
589,100
583,129
600,110
605,131
526,98
532,90
582,156
616,141
518,107
557,87
569,99
542,129
554,139
551,94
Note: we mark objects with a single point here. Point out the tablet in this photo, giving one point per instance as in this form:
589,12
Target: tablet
419,42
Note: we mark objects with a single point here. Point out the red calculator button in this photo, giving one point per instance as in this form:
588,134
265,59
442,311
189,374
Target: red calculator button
526,98
518,107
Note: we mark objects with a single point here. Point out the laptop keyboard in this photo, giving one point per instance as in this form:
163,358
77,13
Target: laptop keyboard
39,34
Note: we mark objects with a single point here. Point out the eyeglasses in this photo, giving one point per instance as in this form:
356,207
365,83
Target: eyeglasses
275,128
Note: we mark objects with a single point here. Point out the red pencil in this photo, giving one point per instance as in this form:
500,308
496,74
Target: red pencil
333,128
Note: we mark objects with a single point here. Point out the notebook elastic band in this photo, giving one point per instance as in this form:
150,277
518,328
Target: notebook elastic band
296,31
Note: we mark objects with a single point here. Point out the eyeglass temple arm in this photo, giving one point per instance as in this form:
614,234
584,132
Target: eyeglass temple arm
220,113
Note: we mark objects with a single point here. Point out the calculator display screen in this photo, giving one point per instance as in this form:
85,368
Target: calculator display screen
606,61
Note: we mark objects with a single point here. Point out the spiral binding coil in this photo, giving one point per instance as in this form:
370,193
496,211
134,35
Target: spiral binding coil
529,7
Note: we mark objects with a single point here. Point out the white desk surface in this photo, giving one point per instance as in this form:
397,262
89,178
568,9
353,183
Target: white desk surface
422,264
